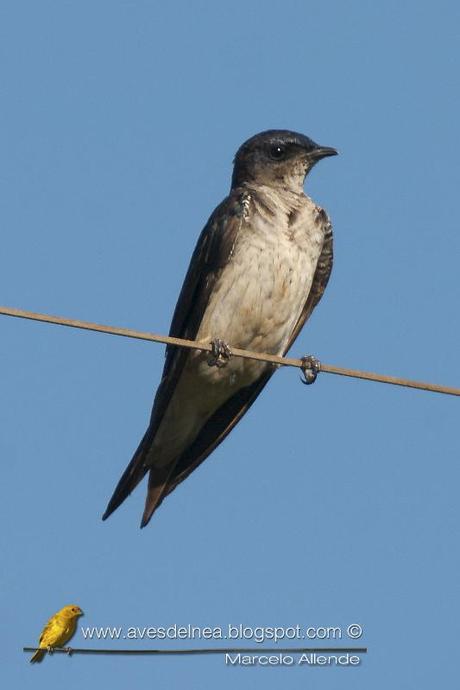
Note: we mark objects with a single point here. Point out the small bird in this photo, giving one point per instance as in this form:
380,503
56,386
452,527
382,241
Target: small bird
59,629
259,268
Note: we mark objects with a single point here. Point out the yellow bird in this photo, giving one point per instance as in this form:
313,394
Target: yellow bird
59,629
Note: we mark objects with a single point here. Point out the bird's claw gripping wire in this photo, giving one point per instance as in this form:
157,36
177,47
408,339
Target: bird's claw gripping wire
68,650
220,353
311,366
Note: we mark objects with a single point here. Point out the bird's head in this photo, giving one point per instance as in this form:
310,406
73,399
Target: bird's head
71,611
278,158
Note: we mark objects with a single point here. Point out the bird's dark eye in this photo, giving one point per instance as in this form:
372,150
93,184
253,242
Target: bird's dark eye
277,152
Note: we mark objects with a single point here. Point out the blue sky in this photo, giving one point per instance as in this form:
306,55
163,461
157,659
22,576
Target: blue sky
328,505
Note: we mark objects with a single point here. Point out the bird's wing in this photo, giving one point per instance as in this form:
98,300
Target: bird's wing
212,252
48,633
320,279
231,412
223,420
50,637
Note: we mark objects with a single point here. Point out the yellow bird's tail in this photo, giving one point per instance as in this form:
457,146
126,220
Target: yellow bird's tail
38,656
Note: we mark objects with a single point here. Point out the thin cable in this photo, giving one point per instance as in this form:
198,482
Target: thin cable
224,650
236,352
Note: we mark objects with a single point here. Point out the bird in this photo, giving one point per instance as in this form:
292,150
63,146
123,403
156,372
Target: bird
59,629
259,268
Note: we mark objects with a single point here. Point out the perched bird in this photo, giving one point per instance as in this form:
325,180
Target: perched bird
260,267
59,629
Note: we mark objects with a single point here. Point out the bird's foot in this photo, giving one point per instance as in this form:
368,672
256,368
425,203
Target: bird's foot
68,650
310,369
220,353
49,649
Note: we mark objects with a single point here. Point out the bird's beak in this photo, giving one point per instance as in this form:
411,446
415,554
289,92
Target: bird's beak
80,612
322,152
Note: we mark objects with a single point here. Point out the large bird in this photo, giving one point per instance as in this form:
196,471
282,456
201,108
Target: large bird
260,267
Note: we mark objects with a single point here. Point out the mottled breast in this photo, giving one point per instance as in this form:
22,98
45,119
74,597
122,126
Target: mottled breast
262,290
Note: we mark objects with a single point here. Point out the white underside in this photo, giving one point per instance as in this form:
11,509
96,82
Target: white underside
255,306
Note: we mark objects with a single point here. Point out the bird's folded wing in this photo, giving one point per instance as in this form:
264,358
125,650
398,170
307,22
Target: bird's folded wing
213,251
231,412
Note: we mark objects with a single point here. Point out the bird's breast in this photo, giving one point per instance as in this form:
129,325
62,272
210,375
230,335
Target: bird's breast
255,304
263,288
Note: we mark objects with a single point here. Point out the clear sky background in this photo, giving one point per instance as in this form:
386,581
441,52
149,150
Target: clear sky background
328,505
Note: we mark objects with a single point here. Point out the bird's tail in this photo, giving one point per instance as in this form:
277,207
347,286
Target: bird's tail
131,477
157,489
38,656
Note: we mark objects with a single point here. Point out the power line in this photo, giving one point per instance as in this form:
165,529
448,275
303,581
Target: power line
236,352
206,650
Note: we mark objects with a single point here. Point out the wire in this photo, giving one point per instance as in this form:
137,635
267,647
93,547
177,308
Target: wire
225,650
236,352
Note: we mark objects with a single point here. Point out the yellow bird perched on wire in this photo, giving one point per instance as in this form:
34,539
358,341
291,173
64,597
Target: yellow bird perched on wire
59,629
